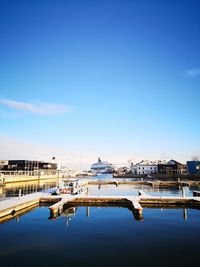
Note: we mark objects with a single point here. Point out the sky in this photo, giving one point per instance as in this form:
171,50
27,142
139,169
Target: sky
119,79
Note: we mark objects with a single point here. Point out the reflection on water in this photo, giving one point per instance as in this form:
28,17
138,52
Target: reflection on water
12,189
102,236
132,190
70,213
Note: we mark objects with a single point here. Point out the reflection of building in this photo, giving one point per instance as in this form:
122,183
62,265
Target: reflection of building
28,166
193,167
102,167
171,167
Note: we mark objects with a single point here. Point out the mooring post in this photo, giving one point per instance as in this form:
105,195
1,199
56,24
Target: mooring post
183,191
138,214
139,211
20,193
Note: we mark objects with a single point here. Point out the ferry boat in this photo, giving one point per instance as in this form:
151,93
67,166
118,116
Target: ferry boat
102,167
71,187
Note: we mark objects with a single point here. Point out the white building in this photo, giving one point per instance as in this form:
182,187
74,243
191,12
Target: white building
145,167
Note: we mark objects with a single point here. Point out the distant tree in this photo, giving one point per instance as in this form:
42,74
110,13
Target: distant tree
195,157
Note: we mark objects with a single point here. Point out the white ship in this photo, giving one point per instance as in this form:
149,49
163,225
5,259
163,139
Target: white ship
101,167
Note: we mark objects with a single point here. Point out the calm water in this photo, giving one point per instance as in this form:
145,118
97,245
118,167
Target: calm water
12,189
132,190
109,236
103,236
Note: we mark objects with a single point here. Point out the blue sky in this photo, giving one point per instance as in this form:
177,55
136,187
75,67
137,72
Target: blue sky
118,79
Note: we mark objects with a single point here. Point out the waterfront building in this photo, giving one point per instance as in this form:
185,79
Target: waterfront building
193,167
145,167
102,167
171,167
28,167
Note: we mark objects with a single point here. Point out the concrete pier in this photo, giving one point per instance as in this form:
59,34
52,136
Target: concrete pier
57,208
14,207
153,183
7,179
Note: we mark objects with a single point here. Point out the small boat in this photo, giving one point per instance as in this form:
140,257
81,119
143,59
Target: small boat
71,187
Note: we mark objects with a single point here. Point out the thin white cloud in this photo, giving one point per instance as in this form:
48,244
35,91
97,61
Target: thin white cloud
192,73
40,108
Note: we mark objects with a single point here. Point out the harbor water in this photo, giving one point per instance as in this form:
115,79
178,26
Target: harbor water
103,235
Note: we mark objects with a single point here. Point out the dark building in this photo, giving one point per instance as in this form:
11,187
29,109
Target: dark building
193,167
28,166
171,167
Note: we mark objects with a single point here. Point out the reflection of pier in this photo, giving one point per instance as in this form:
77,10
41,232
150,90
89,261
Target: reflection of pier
134,203
70,211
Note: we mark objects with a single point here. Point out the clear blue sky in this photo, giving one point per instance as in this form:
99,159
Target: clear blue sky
102,76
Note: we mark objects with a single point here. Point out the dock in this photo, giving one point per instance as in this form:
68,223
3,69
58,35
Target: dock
152,183
11,208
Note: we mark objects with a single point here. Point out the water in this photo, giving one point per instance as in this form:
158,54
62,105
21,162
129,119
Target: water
12,189
110,236
103,176
104,236
132,190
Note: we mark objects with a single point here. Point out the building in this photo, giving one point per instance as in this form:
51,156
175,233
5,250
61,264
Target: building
171,167
122,170
28,167
145,167
193,167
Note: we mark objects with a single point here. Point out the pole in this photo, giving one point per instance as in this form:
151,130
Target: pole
20,193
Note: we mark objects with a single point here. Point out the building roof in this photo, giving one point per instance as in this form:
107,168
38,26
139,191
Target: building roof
148,162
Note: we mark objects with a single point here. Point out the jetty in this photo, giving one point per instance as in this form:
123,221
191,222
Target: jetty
11,208
141,181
